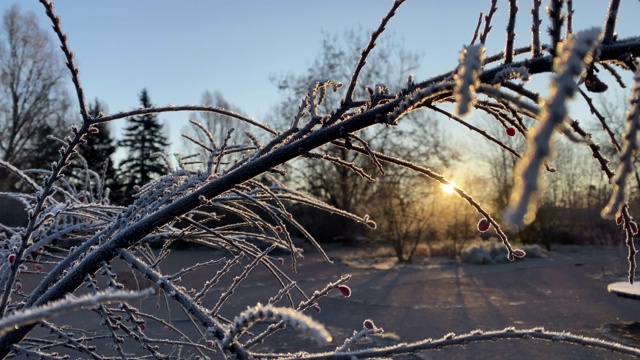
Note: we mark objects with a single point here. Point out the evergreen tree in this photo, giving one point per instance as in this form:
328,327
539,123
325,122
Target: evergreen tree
98,152
142,138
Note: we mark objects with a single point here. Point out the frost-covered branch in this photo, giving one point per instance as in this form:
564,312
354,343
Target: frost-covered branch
475,337
467,78
627,154
236,199
610,22
69,303
575,54
278,314
511,32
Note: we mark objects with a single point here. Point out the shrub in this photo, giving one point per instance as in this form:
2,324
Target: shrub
493,252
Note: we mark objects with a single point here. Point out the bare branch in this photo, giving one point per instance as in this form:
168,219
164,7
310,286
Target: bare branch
511,32
610,22
365,52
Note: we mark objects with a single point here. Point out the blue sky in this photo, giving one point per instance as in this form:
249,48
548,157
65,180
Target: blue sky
179,49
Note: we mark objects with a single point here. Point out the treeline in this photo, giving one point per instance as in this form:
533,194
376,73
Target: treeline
36,111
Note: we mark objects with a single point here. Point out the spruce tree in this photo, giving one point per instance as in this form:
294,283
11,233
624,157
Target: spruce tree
143,137
98,152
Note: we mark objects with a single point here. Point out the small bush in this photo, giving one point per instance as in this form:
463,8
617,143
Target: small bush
493,252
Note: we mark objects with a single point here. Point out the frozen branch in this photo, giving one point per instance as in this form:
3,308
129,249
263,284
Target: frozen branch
171,108
511,32
610,22
260,312
576,53
536,49
34,314
487,21
467,78
475,337
365,52
64,45
627,155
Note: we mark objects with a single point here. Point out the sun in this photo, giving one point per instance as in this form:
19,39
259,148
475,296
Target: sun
449,188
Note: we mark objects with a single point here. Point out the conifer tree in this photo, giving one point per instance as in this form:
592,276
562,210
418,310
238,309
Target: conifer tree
143,138
98,152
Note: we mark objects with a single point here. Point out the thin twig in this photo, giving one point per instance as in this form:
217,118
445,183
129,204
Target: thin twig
365,52
158,110
511,32
487,21
536,49
610,22
475,32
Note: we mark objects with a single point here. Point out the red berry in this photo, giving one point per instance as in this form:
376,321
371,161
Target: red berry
12,258
634,227
372,224
345,290
157,306
142,327
511,257
317,308
619,220
38,267
280,261
483,225
94,130
368,324
519,253
18,285
511,131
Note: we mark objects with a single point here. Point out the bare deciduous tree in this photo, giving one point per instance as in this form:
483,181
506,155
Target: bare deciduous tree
31,84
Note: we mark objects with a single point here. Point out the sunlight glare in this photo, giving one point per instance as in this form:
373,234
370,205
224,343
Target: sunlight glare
449,188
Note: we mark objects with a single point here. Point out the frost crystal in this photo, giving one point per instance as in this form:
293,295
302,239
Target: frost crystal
568,65
629,151
467,78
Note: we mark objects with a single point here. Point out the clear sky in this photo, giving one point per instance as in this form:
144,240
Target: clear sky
179,49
